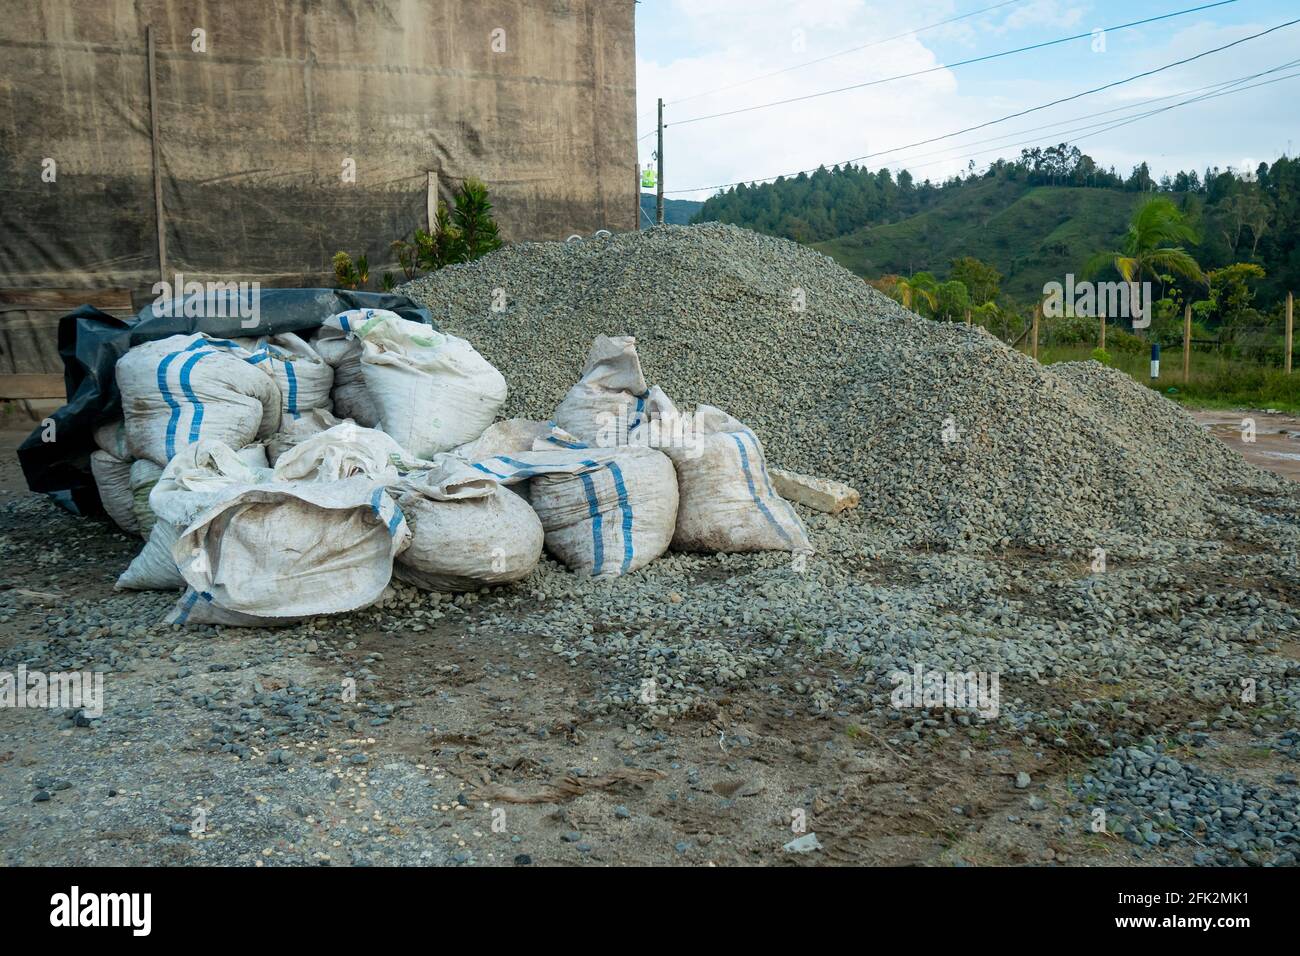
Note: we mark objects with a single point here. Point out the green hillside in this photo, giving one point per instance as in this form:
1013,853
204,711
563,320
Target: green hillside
676,211
1032,234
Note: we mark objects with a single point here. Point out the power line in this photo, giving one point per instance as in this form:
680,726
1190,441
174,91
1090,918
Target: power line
1123,122
949,66
1097,89
831,56
1019,113
1164,109
856,49
1220,86
1108,125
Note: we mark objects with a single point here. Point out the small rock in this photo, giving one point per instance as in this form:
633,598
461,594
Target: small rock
804,844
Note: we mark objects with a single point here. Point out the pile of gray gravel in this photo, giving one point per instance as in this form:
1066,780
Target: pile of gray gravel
1153,798
951,436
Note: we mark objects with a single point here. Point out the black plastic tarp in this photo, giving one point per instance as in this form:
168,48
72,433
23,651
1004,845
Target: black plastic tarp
55,458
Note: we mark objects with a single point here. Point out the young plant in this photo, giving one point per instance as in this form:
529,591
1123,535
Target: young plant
351,275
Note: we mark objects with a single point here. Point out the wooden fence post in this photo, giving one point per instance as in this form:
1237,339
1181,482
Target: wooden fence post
1102,346
1037,311
431,200
1290,315
1187,342
156,144
968,318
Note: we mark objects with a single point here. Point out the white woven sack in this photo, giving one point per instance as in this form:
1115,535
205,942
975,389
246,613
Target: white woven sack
293,549
344,451
186,388
303,378
433,390
611,395
189,483
295,430
337,345
113,481
727,502
467,530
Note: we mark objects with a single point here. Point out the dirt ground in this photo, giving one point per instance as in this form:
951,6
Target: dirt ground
471,747
1268,440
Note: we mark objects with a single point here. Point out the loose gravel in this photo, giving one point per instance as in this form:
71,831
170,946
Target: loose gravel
1153,798
952,438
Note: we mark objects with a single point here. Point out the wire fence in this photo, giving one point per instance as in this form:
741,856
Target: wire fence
1259,345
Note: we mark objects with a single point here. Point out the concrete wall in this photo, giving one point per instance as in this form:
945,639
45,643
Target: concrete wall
254,131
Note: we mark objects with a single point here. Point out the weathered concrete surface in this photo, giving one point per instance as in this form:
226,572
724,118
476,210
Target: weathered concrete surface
255,130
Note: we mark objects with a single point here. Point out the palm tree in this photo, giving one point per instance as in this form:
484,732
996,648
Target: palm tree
920,288
1152,247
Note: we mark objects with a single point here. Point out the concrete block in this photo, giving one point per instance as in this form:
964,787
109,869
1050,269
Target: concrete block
820,494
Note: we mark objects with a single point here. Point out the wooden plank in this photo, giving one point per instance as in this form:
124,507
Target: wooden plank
29,343
431,199
156,143
64,300
31,385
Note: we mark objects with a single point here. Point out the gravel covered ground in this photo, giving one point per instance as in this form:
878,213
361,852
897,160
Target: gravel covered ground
1130,581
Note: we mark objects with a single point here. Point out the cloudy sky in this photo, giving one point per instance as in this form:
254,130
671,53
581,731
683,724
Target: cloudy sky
688,49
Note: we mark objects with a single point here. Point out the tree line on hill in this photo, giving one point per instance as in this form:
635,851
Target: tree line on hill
1226,240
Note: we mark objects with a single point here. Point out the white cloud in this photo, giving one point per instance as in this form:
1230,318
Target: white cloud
745,38
1050,13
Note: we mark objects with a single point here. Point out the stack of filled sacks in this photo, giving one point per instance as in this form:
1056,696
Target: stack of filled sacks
315,535
204,420
266,508
620,475
176,391
261,396
726,502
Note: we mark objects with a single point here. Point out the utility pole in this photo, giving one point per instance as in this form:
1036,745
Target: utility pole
659,179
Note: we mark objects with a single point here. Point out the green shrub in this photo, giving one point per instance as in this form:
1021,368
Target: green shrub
1122,340
1261,346
462,234
351,275
1102,356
